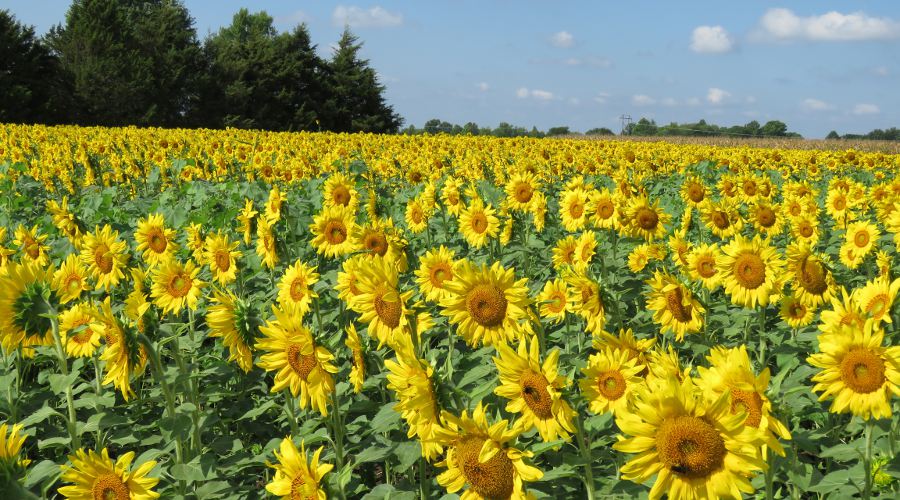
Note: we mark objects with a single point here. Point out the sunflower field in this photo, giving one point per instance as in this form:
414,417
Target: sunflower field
240,314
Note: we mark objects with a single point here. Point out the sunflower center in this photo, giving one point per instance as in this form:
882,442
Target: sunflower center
765,216
695,192
302,490
749,188
298,289
110,487
223,260
576,209
749,402
750,270
557,303
840,203
479,222
487,305
493,479
720,219
690,446
157,241
33,249
534,391
647,219
878,305
812,277
335,232
103,258
675,305
84,336
796,310
180,284
805,229
440,272
417,215
524,192
611,385
73,283
861,239
605,209
706,266
340,195
862,370
376,243
388,310
302,364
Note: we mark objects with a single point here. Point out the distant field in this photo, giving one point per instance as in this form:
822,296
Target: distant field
782,143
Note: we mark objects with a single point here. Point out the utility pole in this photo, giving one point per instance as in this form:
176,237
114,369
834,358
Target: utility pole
626,121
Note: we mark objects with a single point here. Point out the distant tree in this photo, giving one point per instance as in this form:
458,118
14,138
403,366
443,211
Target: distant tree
599,131
32,87
130,62
832,135
558,131
774,128
752,128
643,127
357,102
432,126
471,128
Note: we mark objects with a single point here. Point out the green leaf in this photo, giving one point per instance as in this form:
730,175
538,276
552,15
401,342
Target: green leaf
407,453
259,410
40,415
832,481
41,471
373,454
386,419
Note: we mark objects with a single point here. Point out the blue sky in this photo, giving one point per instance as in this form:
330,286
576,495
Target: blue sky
817,66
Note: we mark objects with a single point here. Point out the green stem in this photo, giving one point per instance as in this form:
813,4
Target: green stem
769,474
423,482
196,439
64,368
867,460
98,389
338,435
762,337
451,346
290,406
156,369
585,446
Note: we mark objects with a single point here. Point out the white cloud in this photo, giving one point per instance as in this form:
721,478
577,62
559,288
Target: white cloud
642,100
716,96
866,109
357,17
483,86
669,101
541,95
811,104
711,40
601,98
783,24
563,39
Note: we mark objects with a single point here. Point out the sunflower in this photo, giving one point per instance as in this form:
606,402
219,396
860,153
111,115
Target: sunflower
450,197
221,255
265,243
665,364
857,371
486,303
646,220
124,356
861,237
478,223
236,323
838,205
588,302
340,191
681,248
272,212
332,229
520,189
295,287
105,256
76,333
696,449
751,270
674,306
416,216
602,207
31,244
693,191
730,373
94,476
767,218
11,440
877,297
435,272
555,300
70,280
155,240
805,229
641,255
812,282
794,312
358,359
534,390
196,241
379,301
479,456
625,341
539,211
573,209
26,296
245,220
610,379
722,218
175,286
294,477
348,278
565,253
300,364
411,380
64,220
379,237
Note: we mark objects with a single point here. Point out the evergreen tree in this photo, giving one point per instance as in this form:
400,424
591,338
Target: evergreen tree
356,101
31,86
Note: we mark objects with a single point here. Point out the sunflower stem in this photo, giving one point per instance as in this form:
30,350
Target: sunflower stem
769,474
584,446
338,435
289,406
423,482
867,460
193,385
762,337
64,368
98,389
156,369
451,345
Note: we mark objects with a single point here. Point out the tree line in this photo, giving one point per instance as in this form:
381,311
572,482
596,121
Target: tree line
891,134
772,128
140,62
504,129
